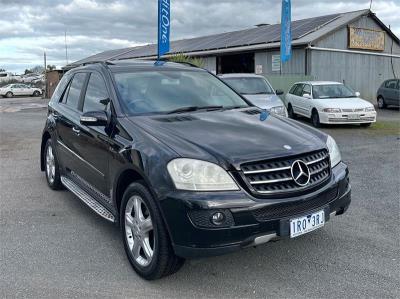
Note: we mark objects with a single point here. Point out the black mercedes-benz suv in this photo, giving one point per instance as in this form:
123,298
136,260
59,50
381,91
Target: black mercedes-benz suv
185,165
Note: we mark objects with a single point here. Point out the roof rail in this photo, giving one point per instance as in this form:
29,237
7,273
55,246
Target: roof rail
105,62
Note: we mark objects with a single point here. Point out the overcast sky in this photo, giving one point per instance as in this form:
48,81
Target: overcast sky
28,27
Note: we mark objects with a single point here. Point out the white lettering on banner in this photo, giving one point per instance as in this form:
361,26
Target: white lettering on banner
164,21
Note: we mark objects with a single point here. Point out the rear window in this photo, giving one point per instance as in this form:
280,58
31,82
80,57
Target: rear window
163,91
249,85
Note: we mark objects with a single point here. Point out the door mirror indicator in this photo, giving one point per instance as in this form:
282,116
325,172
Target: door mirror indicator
307,96
94,118
279,92
357,94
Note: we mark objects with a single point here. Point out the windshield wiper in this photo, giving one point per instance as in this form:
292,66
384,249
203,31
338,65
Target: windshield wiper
194,108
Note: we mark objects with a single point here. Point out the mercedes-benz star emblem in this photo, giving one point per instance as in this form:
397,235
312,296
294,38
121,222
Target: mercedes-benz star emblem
300,173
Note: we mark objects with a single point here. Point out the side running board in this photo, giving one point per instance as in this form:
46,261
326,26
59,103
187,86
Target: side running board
97,207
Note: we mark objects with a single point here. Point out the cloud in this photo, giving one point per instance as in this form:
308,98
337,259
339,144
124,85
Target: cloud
27,28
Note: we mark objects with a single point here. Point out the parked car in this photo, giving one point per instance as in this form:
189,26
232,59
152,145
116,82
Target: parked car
6,76
329,103
18,89
388,93
185,165
258,91
30,78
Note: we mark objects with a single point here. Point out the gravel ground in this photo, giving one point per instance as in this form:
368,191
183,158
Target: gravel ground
52,246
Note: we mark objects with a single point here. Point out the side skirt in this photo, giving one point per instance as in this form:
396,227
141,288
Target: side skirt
92,203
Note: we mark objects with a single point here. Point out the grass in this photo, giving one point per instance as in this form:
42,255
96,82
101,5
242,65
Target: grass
385,127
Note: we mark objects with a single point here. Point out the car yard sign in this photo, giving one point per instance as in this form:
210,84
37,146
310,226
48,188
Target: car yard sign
164,22
367,39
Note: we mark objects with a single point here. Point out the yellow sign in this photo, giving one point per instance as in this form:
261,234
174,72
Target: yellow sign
367,39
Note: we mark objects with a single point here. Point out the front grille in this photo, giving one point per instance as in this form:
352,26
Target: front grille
353,110
274,176
295,208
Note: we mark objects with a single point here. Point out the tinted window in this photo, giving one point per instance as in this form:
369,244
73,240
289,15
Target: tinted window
298,90
96,94
307,89
75,90
392,84
61,87
249,85
293,89
164,91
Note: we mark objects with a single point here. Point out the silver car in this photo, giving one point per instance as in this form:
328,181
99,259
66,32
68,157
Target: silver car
257,90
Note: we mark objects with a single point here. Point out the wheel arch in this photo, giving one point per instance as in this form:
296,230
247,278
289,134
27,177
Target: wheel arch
46,136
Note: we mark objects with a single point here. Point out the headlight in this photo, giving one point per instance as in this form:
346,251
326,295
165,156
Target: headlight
334,151
196,175
369,109
332,110
279,110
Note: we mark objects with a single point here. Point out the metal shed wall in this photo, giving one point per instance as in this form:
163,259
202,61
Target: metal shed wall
295,66
364,73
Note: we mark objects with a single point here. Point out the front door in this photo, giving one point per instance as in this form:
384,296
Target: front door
94,141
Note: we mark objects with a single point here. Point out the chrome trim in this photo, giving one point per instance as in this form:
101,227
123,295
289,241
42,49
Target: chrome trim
79,157
92,203
319,170
262,239
316,161
266,170
271,181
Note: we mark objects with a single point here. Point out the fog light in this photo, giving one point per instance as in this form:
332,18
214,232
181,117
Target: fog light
218,218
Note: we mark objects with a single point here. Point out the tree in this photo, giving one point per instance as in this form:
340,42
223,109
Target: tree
27,72
2,70
51,67
182,58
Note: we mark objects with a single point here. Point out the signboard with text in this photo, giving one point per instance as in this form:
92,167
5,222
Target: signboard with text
366,39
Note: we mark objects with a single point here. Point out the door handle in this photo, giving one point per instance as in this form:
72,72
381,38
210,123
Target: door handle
76,130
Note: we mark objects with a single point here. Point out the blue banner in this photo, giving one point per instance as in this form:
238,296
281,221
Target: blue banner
164,22
286,31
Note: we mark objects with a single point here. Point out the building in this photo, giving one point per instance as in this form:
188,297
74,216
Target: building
354,47
52,79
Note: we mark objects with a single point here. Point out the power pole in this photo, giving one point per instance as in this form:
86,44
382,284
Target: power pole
66,48
45,75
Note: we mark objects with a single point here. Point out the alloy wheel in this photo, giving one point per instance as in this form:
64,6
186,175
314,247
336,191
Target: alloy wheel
50,164
139,231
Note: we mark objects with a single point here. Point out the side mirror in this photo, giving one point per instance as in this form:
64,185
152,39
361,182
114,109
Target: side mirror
94,118
279,92
357,94
307,96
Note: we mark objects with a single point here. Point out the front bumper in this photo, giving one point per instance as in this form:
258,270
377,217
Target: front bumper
248,226
347,117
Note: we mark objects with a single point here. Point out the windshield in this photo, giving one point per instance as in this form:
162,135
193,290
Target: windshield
164,91
249,85
330,91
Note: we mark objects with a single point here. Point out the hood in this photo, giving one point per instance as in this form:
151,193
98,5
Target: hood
344,103
230,137
264,101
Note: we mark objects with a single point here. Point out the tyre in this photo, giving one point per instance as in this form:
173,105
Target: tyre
9,94
52,167
366,125
144,235
381,103
315,119
36,93
291,113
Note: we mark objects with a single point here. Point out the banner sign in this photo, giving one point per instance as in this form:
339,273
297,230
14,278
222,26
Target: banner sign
286,32
164,21
366,39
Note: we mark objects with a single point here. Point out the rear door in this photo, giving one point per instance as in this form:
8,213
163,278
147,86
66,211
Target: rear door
67,123
93,143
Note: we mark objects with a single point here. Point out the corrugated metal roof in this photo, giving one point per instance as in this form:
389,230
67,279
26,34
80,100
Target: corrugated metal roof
303,32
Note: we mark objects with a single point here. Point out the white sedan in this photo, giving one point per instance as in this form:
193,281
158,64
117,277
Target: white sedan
18,89
329,103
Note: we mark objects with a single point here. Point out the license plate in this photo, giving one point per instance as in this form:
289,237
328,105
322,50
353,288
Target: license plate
354,116
302,225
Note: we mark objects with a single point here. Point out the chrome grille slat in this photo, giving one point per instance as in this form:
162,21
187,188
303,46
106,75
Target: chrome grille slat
274,176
